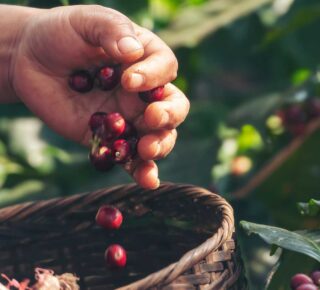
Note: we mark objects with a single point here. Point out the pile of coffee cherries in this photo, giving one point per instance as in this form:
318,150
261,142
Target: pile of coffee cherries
110,218
304,282
114,140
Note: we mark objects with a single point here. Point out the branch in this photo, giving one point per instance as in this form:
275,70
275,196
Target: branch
277,161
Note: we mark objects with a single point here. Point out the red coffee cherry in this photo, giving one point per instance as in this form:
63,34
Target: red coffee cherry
114,126
109,217
154,95
102,159
108,77
97,120
81,81
121,151
300,279
115,256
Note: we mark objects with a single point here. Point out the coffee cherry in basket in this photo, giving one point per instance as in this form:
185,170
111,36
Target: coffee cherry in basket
300,279
109,217
81,81
108,77
115,256
154,95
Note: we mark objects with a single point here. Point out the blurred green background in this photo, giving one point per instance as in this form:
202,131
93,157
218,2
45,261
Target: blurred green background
240,61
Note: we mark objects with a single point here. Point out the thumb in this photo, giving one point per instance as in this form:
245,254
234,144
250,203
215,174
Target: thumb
109,29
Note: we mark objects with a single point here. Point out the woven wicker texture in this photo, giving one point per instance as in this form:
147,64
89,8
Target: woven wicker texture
176,237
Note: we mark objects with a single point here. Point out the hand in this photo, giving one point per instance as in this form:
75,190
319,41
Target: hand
58,41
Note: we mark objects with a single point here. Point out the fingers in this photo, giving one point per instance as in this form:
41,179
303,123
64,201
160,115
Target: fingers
158,67
146,175
170,112
109,29
157,145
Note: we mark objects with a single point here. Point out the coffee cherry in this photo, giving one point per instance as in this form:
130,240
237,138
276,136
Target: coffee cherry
97,120
300,279
108,77
295,119
315,276
102,159
109,217
81,81
153,95
307,287
294,114
121,151
240,165
115,256
114,126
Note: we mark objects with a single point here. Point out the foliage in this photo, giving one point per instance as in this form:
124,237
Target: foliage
311,208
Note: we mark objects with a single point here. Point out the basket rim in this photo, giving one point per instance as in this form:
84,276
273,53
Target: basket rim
224,233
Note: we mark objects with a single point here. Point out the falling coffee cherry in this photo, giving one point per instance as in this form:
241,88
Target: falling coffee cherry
154,95
108,77
81,81
101,158
121,151
115,256
109,217
114,126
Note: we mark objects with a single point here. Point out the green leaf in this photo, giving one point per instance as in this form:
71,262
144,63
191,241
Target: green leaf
249,139
300,76
285,239
311,208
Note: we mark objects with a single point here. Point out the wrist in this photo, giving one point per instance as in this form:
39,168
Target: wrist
13,19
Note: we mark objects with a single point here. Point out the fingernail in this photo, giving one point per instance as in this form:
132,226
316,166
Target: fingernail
128,44
136,80
164,119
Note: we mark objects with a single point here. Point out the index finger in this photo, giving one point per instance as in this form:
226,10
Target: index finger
157,67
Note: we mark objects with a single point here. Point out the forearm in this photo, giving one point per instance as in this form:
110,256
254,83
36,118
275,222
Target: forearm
12,23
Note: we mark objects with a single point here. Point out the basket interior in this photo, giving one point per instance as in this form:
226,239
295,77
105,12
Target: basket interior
158,228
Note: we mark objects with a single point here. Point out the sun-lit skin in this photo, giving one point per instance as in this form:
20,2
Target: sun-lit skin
42,47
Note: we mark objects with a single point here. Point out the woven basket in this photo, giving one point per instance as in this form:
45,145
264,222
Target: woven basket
176,237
